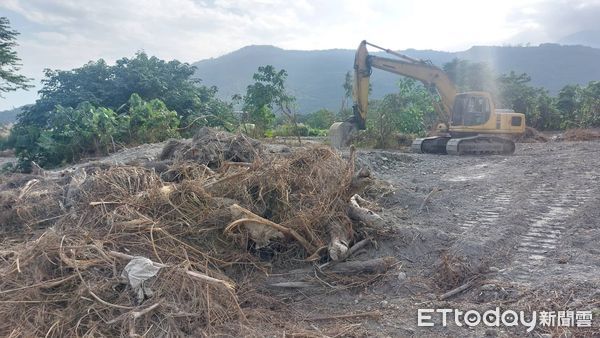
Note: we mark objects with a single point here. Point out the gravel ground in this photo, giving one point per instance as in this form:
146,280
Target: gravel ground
524,228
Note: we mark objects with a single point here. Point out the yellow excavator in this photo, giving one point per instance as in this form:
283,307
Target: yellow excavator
469,122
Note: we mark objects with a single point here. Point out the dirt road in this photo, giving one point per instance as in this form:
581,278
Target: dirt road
524,229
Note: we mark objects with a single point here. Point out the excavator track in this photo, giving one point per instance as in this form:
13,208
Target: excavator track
430,145
473,145
480,145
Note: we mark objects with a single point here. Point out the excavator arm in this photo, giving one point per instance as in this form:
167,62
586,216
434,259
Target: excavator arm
430,75
475,126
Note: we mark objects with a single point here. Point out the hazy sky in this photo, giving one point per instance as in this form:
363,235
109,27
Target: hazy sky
62,34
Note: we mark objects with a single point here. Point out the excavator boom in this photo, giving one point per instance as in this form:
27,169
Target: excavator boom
431,76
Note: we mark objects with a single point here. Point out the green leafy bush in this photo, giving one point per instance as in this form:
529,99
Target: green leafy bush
87,130
290,130
136,100
72,133
321,119
410,111
318,132
148,122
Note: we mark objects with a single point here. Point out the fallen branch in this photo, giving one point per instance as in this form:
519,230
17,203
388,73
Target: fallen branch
340,237
93,204
348,316
249,217
357,210
194,274
428,197
365,204
45,285
357,246
260,232
135,314
373,266
226,178
457,290
293,285
227,164
97,297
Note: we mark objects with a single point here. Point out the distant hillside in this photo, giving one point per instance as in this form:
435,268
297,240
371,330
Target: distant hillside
551,66
9,116
589,38
316,77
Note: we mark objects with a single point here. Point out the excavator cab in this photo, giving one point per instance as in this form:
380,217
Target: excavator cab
471,109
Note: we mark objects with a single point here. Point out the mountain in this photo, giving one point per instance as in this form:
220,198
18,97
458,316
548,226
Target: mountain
590,38
316,77
10,116
551,66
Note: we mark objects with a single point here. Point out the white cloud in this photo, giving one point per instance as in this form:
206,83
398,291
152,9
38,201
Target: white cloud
67,33
551,20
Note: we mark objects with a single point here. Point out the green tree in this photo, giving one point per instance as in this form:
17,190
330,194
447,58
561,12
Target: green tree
10,79
590,105
514,92
546,112
321,119
470,76
112,86
579,106
109,86
268,95
408,111
569,105
73,133
346,108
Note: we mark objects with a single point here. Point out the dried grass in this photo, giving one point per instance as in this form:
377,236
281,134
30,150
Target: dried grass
580,134
27,202
67,281
453,271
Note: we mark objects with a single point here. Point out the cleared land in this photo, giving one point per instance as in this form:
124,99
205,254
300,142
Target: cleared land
519,232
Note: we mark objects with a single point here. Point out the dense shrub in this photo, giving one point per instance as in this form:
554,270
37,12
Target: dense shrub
72,133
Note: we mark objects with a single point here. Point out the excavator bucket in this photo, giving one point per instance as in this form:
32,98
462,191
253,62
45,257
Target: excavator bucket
341,133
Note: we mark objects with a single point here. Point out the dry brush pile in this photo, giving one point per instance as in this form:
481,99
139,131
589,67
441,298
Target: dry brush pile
580,134
172,247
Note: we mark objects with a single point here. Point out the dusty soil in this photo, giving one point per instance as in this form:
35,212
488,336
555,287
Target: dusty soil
522,230
524,227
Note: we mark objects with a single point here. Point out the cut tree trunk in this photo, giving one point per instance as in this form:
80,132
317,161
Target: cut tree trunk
358,212
261,228
341,237
372,266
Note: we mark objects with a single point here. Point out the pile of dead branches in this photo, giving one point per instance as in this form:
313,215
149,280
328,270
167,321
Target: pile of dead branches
212,148
124,252
580,134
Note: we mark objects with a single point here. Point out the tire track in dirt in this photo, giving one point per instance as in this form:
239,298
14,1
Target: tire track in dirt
489,215
493,203
552,210
535,214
